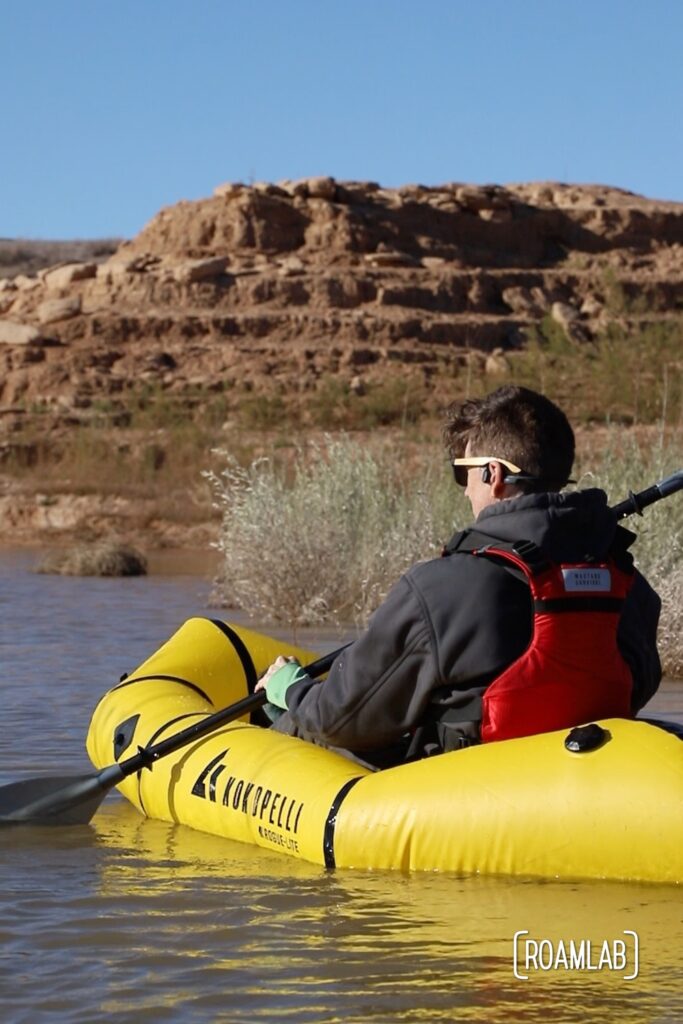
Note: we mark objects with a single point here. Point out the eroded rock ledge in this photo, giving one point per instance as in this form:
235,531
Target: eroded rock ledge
270,288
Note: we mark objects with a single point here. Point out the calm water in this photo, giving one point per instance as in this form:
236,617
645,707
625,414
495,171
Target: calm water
137,920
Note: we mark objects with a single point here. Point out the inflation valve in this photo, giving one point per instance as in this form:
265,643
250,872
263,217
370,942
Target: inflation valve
585,738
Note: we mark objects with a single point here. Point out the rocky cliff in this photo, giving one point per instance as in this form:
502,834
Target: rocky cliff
275,288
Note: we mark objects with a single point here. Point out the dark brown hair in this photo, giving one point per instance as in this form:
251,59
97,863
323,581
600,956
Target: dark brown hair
517,424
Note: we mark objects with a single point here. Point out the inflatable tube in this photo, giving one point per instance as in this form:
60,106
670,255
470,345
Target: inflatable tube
523,807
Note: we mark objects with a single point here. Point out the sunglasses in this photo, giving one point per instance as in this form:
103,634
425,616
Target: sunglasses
461,466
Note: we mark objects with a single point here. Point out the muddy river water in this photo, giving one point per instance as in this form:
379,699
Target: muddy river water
132,920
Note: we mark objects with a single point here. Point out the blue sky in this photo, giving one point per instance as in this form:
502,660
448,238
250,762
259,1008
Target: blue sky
112,110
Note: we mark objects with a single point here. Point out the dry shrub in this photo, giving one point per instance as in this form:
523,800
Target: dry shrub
670,589
325,540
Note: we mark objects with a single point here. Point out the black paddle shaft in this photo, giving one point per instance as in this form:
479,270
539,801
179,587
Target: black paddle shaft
146,756
72,800
637,502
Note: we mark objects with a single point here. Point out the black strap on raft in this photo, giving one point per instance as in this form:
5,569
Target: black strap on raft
241,651
331,822
129,680
124,731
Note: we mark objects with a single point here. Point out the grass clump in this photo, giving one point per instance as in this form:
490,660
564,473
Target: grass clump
339,404
106,558
636,374
396,402
323,538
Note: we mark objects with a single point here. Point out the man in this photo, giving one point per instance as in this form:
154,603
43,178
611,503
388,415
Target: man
542,585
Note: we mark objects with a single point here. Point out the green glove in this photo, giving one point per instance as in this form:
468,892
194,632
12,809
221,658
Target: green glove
280,682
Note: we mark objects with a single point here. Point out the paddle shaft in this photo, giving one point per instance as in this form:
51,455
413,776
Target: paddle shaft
637,502
146,756
73,800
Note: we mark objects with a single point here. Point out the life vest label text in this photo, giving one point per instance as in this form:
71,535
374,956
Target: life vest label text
587,578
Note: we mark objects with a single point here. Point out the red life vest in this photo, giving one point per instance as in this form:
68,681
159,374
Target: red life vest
572,672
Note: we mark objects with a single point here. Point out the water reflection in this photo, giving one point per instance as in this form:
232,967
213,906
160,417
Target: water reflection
190,927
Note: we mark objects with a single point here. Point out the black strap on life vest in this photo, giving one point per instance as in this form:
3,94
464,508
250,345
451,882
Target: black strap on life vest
471,541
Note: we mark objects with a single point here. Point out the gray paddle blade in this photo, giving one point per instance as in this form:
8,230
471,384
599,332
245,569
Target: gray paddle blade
65,800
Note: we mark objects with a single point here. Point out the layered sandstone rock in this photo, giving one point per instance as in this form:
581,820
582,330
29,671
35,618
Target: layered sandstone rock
276,288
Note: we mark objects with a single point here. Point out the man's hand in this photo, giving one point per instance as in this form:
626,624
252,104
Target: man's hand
278,678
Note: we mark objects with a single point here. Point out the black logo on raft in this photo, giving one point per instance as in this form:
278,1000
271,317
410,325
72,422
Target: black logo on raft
270,807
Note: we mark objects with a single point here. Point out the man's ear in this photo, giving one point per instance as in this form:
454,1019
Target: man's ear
495,475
